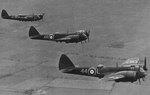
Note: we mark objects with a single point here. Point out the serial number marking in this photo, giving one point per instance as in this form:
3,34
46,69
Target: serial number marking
84,71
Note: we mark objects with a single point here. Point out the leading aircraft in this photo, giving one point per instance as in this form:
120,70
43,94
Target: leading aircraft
123,73
21,17
79,36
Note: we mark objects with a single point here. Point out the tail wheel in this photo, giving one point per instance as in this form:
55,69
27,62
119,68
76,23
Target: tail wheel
92,71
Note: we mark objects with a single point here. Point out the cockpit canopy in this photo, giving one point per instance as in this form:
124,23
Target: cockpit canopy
80,31
21,15
57,32
100,66
131,61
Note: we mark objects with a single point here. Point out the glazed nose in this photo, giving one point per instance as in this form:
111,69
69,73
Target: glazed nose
143,74
84,35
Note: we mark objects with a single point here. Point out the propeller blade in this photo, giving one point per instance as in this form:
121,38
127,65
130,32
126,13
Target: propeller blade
145,62
143,78
139,81
138,75
89,35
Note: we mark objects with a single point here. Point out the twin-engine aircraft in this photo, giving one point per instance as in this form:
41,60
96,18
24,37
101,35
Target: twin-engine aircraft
79,36
21,17
124,73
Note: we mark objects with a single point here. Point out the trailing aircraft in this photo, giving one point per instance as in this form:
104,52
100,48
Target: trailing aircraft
21,17
79,36
119,74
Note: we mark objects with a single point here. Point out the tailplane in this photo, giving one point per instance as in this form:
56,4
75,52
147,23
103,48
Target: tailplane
65,63
33,32
4,14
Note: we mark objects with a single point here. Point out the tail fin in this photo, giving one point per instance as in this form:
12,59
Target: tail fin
33,32
4,14
65,63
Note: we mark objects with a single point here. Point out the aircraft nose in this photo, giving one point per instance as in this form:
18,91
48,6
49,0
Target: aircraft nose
84,35
87,32
143,74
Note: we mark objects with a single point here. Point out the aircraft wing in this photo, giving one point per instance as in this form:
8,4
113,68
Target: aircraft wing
113,76
130,62
69,37
64,39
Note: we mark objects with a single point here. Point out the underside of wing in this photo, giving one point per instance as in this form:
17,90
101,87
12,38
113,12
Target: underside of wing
116,77
63,39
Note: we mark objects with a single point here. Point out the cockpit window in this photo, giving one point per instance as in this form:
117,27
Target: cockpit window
80,31
131,61
100,66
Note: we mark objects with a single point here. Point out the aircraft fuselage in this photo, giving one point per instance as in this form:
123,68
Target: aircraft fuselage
26,17
98,72
57,37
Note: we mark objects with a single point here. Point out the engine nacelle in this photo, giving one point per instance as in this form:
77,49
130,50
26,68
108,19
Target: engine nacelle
128,74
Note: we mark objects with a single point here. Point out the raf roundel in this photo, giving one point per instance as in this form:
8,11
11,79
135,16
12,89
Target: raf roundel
91,71
51,36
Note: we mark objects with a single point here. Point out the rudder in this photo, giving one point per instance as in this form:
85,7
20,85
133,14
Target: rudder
65,63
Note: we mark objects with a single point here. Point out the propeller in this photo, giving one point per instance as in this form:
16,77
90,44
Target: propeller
83,35
88,35
145,62
138,75
141,73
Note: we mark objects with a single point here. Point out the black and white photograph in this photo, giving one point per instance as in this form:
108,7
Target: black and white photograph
74,47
